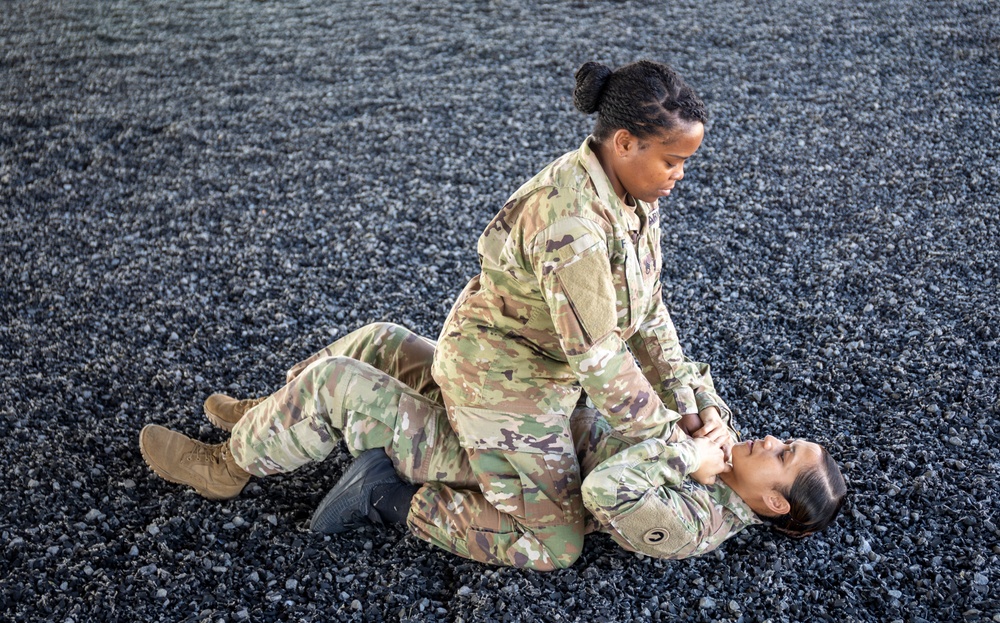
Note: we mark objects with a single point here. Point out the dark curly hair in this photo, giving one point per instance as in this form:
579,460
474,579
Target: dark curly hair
644,98
815,499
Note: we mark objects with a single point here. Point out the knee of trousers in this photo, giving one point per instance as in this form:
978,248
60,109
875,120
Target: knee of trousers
564,546
323,387
464,523
388,335
403,343
537,551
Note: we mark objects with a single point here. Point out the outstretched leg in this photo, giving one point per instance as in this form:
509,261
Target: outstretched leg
395,350
333,398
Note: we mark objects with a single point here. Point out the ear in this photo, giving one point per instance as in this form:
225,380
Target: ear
776,503
624,142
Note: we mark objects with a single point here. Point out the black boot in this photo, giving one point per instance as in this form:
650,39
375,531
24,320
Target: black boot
369,492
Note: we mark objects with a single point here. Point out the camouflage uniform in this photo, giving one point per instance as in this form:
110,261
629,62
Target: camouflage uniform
643,498
568,298
338,394
354,390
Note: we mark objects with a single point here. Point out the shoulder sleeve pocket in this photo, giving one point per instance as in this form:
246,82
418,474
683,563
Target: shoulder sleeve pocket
654,529
590,298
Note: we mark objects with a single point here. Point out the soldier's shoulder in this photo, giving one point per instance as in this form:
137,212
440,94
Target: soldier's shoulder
563,187
561,210
560,200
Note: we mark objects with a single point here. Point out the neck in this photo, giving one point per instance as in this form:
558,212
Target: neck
733,483
730,482
606,157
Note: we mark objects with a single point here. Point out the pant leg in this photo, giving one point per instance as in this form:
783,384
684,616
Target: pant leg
388,347
335,398
528,512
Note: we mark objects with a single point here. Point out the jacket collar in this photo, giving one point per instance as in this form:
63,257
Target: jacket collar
597,175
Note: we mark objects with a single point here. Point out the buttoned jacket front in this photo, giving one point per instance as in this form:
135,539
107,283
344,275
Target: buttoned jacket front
569,298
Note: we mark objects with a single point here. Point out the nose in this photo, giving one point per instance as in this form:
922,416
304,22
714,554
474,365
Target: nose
771,442
679,173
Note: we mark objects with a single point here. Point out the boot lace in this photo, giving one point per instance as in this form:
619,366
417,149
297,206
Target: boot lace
245,405
208,454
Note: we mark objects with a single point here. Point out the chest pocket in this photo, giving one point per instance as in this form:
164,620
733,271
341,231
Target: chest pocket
623,262
639,275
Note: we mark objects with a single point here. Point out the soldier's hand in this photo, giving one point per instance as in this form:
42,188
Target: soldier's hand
713,428
690,422
713,461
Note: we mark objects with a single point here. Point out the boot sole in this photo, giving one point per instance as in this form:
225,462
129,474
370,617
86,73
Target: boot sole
219,422
164,475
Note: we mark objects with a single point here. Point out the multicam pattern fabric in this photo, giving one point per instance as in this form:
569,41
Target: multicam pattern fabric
569,292
570,282
395,350
643,498
337,393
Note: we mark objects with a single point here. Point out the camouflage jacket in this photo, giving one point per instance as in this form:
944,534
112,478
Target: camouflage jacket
569,297
642,496
639,494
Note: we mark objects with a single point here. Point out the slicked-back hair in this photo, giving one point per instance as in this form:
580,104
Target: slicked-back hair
646,98
815,500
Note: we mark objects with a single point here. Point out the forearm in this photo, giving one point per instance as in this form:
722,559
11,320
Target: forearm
683,385
609,375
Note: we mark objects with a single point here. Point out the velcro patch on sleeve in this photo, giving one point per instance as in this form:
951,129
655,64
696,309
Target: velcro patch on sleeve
590,292
654,529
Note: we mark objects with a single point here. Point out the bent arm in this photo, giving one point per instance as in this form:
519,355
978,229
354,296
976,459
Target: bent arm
684,385
643,498
573,267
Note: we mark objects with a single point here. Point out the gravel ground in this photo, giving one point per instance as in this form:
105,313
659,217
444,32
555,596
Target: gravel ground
196,194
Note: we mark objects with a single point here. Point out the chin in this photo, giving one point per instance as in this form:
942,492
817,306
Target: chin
739,453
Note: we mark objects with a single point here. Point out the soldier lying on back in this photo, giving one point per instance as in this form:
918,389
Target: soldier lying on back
373,389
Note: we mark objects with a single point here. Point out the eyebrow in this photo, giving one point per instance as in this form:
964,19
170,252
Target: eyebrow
791,446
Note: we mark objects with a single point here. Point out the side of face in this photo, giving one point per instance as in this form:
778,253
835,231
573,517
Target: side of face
763,468
649,168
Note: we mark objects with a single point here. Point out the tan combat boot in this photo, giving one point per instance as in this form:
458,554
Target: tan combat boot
211,470
225,412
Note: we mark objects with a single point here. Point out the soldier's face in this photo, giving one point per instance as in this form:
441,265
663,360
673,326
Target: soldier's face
761,466
652,167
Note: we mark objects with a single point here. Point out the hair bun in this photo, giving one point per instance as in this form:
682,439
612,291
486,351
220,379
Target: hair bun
591,79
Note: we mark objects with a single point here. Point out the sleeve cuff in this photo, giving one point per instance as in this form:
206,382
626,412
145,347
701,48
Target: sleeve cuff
704,400
685,400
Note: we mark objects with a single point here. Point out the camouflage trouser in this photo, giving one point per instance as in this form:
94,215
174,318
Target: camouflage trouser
351,391
518,436
335,394
395,350
528,512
